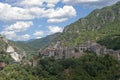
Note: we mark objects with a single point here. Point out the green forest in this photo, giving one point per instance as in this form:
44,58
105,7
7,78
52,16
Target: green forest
87,67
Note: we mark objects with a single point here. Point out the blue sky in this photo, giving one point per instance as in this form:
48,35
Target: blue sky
32,19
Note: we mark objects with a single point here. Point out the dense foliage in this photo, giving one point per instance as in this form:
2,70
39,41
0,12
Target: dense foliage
87,67
111,42
2,44
5,57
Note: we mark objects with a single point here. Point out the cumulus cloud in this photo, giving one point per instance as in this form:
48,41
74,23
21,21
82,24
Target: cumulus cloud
19,11
10,13
90,3
38,33
7,13
13,36
9,34
51,3
11,31
31,3
19,26
56,20
23,37
32,9
54,29
39,3
60,14
79,1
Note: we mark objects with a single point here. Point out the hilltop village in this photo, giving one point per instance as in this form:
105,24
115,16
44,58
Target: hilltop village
59,52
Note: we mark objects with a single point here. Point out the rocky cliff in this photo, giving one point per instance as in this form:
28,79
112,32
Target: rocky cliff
15,52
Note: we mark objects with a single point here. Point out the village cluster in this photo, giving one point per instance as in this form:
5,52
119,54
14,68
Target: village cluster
59,52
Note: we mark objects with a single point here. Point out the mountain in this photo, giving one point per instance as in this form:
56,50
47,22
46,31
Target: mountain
43,42
97,26
32,46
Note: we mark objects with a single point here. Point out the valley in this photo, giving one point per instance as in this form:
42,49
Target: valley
87,49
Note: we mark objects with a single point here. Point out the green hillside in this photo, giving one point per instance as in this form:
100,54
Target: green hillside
111,42
2,44
43,42
97,25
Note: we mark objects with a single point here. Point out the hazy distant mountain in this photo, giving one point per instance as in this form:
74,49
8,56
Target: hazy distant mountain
36,44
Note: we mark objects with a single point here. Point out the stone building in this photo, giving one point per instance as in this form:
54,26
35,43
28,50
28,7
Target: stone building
59,52
118,55
98,49
115,54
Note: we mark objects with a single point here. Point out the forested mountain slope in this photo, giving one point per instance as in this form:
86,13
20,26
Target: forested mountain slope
96,26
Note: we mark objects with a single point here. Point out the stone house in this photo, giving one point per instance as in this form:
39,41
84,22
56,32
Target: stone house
115,54
98,49
69,52
118,55
83,47
59,53
49,52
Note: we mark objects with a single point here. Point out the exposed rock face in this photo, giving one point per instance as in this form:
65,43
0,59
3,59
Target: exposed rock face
14,55
7,47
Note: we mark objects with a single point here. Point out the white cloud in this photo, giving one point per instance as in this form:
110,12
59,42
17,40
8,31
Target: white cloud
23,37
51,3
66,11
90,3
54,29
19,26
10,13
38,37
38,33
79,1
13,36
60,14
37,9
57,20
9,34
31,3
39,3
